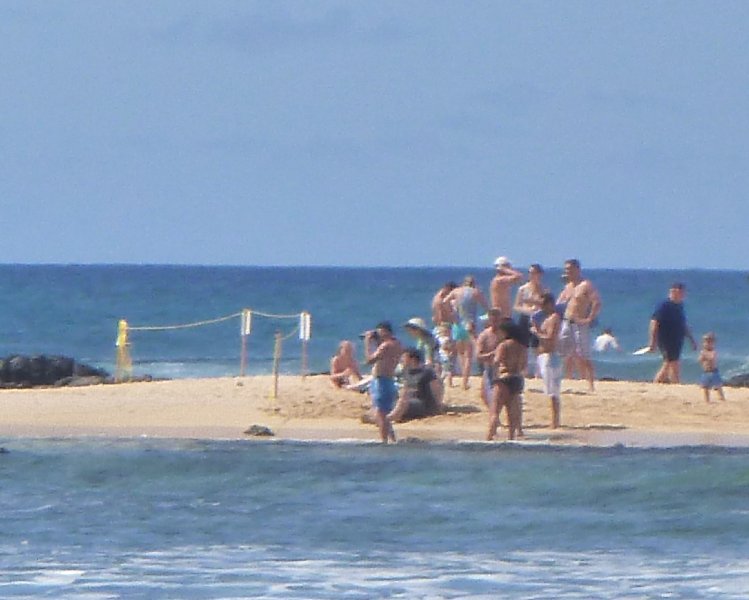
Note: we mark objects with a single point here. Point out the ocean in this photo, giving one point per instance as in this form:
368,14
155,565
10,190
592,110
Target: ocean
206,519
74,310
93,518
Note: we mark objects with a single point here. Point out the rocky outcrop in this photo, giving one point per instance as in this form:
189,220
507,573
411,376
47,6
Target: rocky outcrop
259,431
741,380
20,371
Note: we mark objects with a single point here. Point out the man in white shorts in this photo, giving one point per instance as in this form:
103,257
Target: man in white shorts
549,362
581,307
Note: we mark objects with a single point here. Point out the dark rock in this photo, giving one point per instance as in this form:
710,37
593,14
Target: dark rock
80,381
741,380
37,370
259,431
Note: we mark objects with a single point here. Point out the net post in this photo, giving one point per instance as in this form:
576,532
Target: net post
244,333
276,363
124,362
305,330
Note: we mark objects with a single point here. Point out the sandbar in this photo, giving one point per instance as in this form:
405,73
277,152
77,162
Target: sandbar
309,408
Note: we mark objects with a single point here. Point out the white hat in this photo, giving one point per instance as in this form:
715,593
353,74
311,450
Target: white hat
417,323
502,261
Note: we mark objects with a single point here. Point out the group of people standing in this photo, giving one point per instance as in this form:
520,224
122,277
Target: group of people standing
554,330
557,330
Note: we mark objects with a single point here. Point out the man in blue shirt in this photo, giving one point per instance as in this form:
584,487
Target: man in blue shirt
668,328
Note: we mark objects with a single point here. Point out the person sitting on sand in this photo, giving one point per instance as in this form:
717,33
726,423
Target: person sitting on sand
384,360
422,391
708,360
425,342
344,369
511,358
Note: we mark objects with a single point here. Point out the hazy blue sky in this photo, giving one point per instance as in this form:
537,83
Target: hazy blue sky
375,133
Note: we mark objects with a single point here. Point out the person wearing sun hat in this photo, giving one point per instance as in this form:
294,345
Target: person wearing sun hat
501,286
425,343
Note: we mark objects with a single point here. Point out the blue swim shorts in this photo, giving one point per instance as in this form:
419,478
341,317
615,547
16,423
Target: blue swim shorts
711,379
384,393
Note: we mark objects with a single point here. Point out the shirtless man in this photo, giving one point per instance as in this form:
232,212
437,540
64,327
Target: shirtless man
465,300
582,305
486,344
549,363
441,312
510,359
501,285
384,360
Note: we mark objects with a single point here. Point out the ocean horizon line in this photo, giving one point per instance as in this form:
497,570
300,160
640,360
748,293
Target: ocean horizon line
360,267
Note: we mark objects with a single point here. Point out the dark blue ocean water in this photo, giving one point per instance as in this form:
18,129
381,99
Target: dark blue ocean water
74,310
190,519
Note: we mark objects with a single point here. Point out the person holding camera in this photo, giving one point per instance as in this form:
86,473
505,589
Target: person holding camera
383,351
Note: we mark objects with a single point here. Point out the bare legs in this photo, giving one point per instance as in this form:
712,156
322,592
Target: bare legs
387,433
495,406
465,354
670,372
503,398
556,412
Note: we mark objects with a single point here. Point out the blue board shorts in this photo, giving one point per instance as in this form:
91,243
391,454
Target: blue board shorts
711,379
384,393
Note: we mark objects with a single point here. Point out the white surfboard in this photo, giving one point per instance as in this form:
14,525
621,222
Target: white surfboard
643,350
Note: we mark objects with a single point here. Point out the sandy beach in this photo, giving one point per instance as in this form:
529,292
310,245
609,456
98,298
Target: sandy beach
632,413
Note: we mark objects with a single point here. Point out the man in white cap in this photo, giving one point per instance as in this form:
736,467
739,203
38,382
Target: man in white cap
501,286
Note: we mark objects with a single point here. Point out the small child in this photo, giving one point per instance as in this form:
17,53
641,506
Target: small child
344,370
445,353
708,359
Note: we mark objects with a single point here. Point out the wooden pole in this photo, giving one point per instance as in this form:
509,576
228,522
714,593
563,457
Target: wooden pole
244,332
304,359
243,357
276,363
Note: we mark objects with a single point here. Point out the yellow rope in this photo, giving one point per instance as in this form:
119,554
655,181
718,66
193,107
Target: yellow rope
212,321
186,325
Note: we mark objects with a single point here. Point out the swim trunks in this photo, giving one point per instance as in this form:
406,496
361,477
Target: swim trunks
671,349
514,383
460,331
550,368
574,339
384,393
487,380
711,379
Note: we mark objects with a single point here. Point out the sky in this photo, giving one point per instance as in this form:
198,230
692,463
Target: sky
387,133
